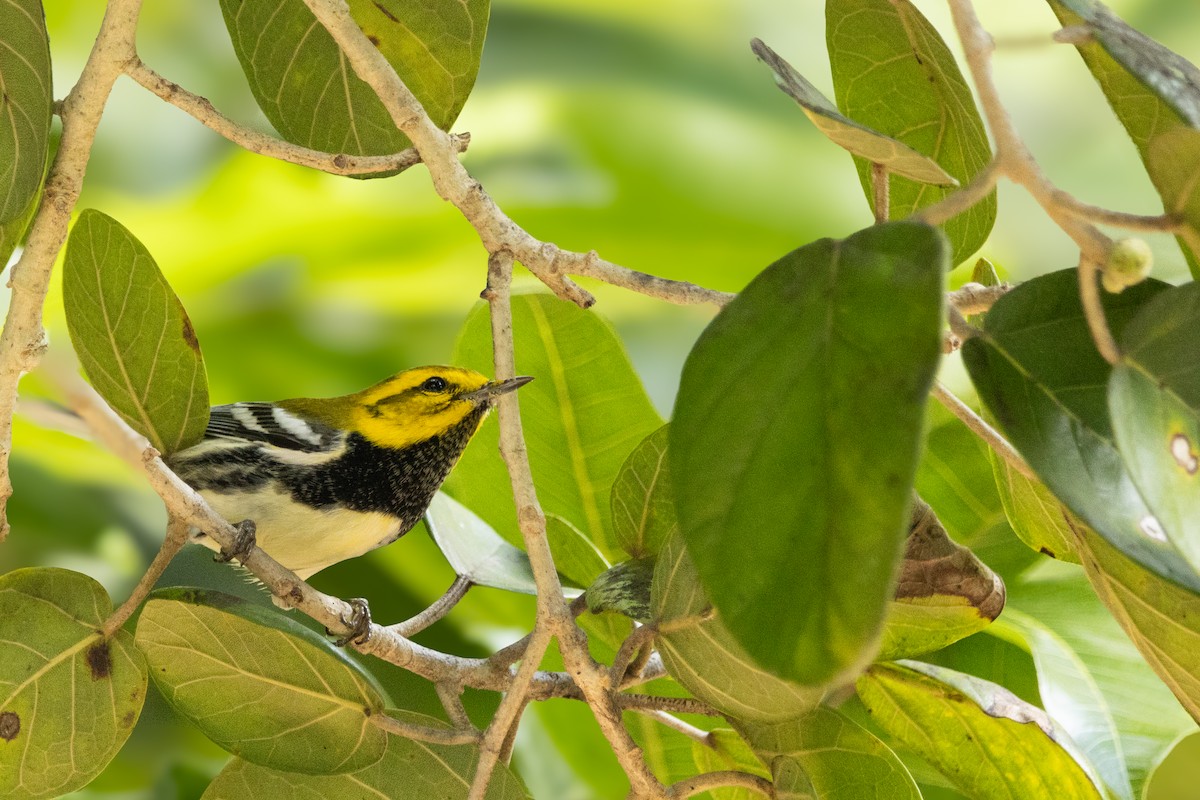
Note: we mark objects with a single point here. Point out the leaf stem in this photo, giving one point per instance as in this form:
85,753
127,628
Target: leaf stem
424,733
176,538
880,202
440,608
690,787
1093,310
981,429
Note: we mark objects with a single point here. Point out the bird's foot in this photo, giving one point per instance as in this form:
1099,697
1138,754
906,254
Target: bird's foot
244,541
359,623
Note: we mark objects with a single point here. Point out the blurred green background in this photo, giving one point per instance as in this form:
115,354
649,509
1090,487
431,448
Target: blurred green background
644,130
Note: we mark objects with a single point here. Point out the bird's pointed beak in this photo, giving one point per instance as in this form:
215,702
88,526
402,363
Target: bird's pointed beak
496,388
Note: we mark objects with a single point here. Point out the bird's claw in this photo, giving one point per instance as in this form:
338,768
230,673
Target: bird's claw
244,541
359,623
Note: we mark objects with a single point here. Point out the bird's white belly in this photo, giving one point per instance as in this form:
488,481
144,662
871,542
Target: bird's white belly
301,538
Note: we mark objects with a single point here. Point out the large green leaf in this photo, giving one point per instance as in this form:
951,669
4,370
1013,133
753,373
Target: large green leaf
585,412
261,686
1173,161
944,592
893,73
643,506
1154,399
828,756
68,696
796,435
132,335
409,770
1151,90
1071,697
981,736
875,147
26,100
307,89
1162,618
1036,515
1115,682
1051,403
724,749
701,654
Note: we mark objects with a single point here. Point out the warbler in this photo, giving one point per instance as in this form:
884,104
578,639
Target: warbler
324,480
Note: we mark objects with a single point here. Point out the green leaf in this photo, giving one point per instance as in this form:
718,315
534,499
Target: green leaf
944,592
1147,715
68,697
1151,90
308,90
1162,618
1036,515
893,73
1173,161
26,101
261,686
476,551
826,755
625,589
643,508
700,653
1174,776
408,770
796,435
1051,403
1071,697
1154,400
727,750
582,416
987,741
875,147
132,335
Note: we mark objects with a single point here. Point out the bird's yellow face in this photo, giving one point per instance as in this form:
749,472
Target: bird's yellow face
417,404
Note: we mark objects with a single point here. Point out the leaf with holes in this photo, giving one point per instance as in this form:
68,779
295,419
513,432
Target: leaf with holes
1154,400
858,139
26,100
795,441
1051,404
583,415
132,335
643,508
893,73
408,770
829,756
68,697
982,737
309,92
261,686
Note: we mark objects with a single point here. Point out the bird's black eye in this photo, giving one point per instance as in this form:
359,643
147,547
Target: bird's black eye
434,384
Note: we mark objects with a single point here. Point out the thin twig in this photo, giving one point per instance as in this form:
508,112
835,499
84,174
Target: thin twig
203,112
959,201
880,202
678,705
424,733
23,340
981,429
440,608
451,697
1093,310
631,649
176,538
975,298
690,787
676,724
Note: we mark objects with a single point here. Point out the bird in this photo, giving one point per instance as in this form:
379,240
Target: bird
322,480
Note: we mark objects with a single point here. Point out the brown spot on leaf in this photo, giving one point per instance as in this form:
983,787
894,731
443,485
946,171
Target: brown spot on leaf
189,334
383,10
127,719
1184,455
373,39
1046,551
10,726
99,660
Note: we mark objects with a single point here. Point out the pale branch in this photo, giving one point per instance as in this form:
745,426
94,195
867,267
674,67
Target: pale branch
439,609
496,230
975,298
176,538
980,428
959,326
678,705
880,192
630,651
23,340
1093,310
451,697
959,201
698,735
553,614
200,109
690,787
425,733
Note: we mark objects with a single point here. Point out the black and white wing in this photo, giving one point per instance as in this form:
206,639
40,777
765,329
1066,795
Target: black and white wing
270,424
